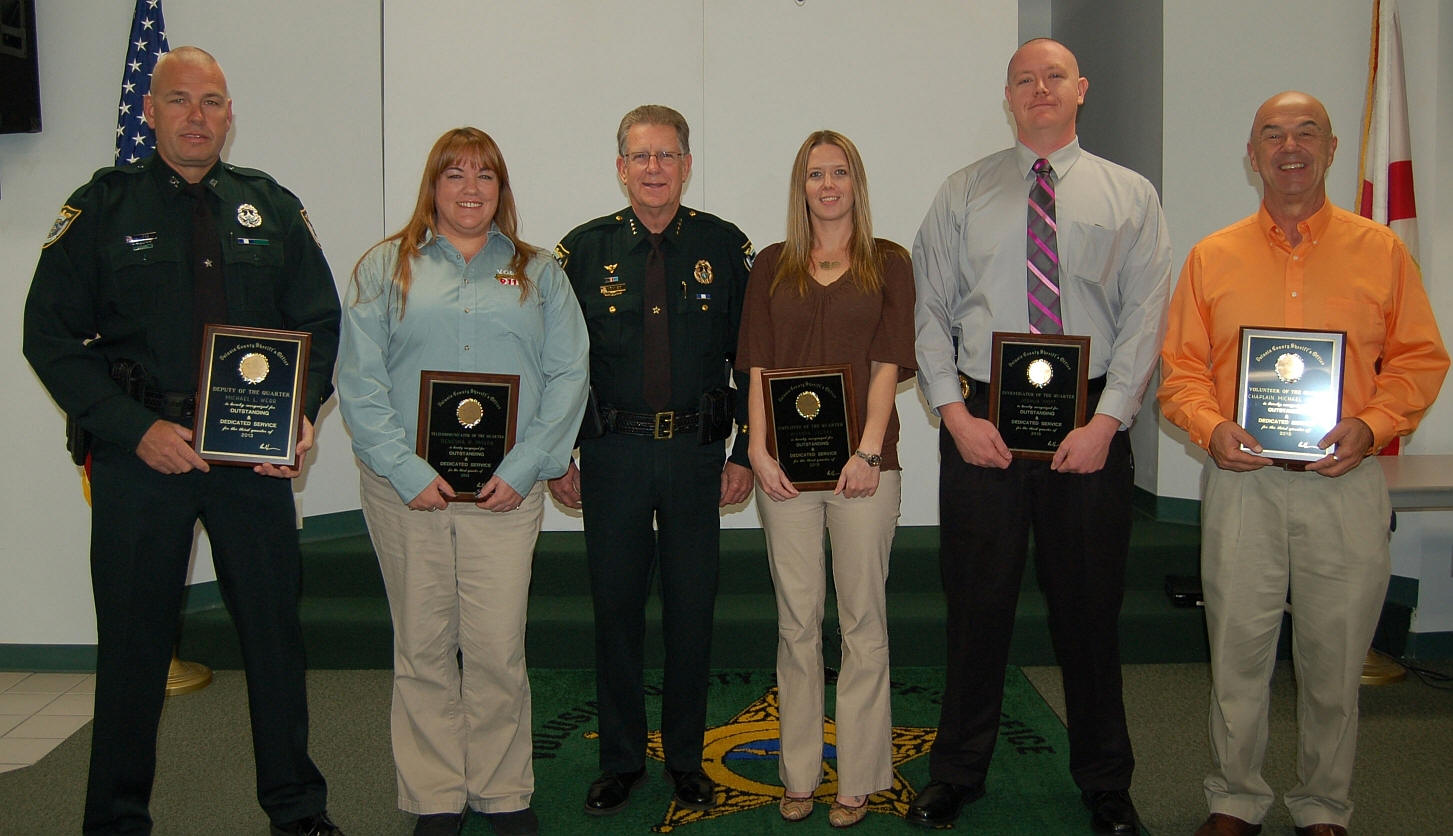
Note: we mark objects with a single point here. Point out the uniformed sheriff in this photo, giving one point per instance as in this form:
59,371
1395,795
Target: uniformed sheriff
139,259
661,286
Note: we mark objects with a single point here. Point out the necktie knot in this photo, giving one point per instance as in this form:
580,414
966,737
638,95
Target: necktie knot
196,191
655,238
1041,166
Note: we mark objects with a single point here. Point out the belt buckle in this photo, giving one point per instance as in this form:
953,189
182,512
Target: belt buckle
665,425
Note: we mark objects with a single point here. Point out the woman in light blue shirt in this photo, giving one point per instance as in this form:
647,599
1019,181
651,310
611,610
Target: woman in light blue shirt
456,290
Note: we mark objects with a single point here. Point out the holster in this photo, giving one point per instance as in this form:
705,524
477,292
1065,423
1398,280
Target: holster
131,377
718,409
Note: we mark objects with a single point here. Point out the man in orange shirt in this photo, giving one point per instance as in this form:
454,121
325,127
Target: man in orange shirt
1266,527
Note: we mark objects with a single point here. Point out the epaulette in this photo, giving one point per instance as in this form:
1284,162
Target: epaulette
250,173
124,169
611,221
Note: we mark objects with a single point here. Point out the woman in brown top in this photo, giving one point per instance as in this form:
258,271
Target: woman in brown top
832,294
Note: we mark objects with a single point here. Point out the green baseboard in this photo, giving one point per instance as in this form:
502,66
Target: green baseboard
328,526
48,658
1426,646
1166,508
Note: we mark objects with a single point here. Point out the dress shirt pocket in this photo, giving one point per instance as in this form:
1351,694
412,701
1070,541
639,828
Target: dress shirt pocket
1362,319
1086,252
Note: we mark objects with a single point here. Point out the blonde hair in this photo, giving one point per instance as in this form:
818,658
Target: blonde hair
794,266
454,146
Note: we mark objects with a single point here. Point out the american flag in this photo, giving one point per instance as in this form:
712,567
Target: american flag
134,138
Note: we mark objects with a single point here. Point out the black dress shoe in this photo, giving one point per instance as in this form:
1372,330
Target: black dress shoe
317,824
939,803
1111,811
611,791
439,824
515,823
694,790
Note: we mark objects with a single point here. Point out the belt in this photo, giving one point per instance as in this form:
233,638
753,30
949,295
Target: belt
1289,464
656,425
173,406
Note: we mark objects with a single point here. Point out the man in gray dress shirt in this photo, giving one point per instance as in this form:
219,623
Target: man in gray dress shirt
1104,257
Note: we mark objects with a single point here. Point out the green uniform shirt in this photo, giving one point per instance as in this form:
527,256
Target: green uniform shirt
707,264
114,281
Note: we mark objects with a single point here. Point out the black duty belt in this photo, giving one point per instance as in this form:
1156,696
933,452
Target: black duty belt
173,406
657,425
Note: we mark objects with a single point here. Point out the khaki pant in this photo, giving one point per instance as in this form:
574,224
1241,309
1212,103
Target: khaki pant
1266,533
862,537
458,581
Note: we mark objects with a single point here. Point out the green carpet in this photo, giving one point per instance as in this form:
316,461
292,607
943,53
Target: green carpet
1029,787
205,773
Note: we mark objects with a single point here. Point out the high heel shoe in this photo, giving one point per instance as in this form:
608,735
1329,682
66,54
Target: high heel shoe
842,815
794,809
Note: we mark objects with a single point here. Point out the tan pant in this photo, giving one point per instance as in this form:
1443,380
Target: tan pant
1326,540
458,581
862,536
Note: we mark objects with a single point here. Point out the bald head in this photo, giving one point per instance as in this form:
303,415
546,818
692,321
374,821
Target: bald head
1295,102
172,62
1038,48
1044,90
1291,148
190,111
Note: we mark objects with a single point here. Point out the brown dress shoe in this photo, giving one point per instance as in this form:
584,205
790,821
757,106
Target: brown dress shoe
1322,830
1220,824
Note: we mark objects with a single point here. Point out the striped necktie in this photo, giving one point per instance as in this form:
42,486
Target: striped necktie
1042,255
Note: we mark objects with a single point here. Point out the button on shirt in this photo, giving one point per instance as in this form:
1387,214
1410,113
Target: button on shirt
461,316
1347,274
1115,262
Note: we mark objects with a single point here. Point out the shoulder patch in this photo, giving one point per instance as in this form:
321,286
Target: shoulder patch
749,255
63,221
562,255
309,224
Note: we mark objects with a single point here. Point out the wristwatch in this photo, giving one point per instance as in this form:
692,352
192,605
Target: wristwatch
873,459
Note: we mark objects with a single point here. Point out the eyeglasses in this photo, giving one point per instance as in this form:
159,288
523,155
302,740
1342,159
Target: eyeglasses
666,159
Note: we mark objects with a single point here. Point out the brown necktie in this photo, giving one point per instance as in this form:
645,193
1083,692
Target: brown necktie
656,338
209,297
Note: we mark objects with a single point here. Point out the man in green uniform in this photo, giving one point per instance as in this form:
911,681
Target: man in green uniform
126,279
662,288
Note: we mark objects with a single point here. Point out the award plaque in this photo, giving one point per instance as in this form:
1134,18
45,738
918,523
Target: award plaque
466,425
1037,390
812,423
250,395
1289,389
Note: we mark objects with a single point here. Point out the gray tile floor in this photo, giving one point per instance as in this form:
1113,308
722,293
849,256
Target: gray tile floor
40,710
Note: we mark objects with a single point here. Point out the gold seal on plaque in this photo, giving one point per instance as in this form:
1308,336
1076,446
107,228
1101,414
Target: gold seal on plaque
1040,373
253,367
469,412
702,272
1290,367
808,404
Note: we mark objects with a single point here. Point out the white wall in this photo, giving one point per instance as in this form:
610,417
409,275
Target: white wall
550,81
307,110
918,86
1222,60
